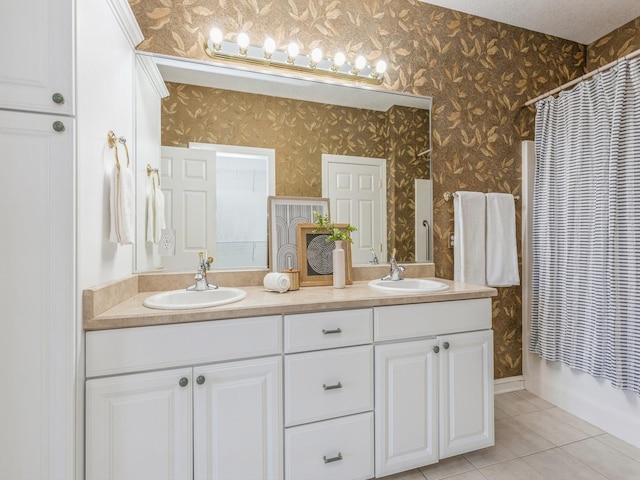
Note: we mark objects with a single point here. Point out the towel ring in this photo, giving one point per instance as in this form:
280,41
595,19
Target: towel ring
113,143
152,171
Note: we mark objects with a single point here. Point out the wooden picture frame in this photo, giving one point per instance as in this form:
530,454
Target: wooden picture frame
315,242
284,214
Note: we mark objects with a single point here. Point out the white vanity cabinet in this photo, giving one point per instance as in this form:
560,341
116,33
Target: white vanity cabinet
329,395
215,416
434,386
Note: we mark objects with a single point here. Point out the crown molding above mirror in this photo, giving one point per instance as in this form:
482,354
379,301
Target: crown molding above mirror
276,84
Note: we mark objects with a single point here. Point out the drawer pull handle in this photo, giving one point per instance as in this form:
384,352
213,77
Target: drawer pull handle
332,387
331,332
332,459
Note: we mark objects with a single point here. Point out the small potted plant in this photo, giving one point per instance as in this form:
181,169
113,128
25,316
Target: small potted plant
338,235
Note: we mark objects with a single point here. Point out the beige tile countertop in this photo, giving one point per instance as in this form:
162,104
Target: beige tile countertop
130,312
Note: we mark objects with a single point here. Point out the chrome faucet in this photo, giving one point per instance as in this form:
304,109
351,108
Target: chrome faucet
201,275
374,260
396,271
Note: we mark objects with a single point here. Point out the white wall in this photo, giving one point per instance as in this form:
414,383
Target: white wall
594,400
104,71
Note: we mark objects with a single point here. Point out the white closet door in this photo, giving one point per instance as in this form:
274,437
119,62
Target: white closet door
37,296
189,186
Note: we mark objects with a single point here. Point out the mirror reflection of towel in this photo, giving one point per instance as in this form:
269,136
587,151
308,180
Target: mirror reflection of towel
155,215
122,206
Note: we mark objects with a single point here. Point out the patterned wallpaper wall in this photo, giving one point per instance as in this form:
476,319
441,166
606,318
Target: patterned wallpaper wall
479,73
617,44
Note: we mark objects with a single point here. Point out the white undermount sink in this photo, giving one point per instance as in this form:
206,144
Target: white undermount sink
184,299
409,285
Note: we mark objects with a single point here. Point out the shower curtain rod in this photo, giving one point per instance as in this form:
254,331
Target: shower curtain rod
583,77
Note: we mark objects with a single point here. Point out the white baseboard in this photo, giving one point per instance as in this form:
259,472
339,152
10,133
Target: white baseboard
509,384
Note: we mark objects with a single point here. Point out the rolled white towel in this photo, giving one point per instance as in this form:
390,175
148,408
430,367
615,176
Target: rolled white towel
277,282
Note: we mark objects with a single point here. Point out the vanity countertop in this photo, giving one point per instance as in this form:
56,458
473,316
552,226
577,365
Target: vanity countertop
132,313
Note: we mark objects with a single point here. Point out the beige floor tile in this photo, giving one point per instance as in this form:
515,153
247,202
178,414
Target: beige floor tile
556,463
512,470
519,439
409,475
513,404
447,467
556,431
566,417
488,456
472,475
605,459
621,446
536,400
498,413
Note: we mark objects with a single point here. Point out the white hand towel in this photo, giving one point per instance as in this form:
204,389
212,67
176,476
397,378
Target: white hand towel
155,215
122,206
469,240
502,251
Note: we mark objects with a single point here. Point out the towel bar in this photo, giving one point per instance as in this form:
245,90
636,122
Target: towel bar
448,196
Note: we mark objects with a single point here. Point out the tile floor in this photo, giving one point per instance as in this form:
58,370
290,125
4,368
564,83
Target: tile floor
537,441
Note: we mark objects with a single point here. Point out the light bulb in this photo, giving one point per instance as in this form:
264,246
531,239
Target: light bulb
316,55
381,67
269,47
293,50
338,61
361,62
216,37
243,42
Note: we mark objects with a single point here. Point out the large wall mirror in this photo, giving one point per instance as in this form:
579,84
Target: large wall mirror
300,121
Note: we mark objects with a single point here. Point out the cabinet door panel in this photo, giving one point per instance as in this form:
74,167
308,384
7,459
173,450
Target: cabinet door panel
238,420
406,398
36,48
139,427
466,392
37,293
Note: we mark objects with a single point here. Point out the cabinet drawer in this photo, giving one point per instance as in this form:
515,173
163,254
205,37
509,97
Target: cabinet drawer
316,331
430,319
325,384
146,348
333,449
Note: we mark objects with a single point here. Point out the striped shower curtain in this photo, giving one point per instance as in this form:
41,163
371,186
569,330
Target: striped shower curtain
586,228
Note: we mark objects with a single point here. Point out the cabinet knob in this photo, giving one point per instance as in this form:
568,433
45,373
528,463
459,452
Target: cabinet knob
332,387
445,345
184,381
58,126
200,380
58,98
332,459
436,349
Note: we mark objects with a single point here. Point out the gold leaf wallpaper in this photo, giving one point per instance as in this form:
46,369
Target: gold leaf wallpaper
478,72
617,44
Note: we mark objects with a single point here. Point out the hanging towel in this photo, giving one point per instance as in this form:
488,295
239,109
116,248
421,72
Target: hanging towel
122,206
502,252
155,214
469,240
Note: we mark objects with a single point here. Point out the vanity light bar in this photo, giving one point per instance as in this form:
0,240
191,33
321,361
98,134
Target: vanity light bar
290,58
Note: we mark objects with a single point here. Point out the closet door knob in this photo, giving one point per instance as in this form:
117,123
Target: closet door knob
446,345
200,380
184,381
436,349
58,98
58,126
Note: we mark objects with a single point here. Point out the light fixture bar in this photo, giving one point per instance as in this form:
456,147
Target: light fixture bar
292,59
